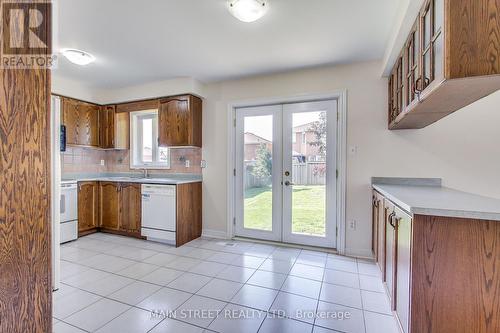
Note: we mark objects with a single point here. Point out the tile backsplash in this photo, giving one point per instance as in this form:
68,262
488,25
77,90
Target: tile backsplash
88,160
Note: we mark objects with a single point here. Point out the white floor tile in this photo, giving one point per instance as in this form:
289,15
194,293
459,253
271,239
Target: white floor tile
199,310
164,300
277,266
107,263
267,279
301,286
77,255
235,318
61,327
200,253
180,251
376,302
371,283
133,321
86,277
160,259
208,268
138,270
107,285
222,290
175,326
182,263
236,274
379,323
189,282
342,265
255,297
69,269
72,303
97,315
311,259
339,317
286,254
248,261
162,276
340,257
63,291
307,272
314,253
369,269
284,325
295,307
341,295
135,292
223,257
319,329
341,278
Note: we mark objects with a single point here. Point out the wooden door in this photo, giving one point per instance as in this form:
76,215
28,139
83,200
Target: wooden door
82,122
431,44
88,206
390,236
179,121
109,205
130,207
402,222
25,180
107,126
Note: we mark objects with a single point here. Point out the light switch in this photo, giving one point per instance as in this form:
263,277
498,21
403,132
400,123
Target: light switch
188,163
102,162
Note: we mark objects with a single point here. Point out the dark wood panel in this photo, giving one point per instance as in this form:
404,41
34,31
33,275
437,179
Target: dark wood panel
455,275
130,207
25,227
109,205
189,210
472,38
88,206
138,106
107,127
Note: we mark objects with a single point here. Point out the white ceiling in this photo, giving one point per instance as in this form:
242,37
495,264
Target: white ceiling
140,41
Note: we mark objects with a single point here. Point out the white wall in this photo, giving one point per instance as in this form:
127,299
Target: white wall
463,149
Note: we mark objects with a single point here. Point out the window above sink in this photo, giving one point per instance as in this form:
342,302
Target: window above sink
144,149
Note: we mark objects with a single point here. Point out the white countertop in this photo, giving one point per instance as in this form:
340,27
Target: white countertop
440,201
131,179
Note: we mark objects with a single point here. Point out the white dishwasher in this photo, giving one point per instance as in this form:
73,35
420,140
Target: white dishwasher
159,212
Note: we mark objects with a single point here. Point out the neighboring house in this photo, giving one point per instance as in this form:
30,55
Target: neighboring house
302,137
252,144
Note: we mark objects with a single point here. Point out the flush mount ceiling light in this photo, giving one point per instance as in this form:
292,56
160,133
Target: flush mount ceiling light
248,10
78,57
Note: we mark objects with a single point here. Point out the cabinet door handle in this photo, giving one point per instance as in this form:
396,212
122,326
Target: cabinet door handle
391,218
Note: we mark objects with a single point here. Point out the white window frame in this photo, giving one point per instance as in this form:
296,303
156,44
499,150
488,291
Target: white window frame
136,142
304,137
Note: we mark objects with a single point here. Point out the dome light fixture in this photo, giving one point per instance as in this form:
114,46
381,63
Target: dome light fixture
78,57
248,10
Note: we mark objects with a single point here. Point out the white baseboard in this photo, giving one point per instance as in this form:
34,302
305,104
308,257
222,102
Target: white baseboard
210,233
359,253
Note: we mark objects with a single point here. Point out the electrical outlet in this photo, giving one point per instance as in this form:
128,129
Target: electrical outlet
188,163
203,164
102,162
352,224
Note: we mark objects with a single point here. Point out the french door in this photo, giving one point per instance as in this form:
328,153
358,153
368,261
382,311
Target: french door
286,173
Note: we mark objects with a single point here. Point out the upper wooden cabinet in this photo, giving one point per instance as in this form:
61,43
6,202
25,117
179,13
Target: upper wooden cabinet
450,59
82,122
107,127
179,121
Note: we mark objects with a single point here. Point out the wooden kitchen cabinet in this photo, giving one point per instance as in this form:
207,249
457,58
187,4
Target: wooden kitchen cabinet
450,60
130,208
82,122
107,127
401,299
390,249
88,207
109,205
378,227
179,121
122,130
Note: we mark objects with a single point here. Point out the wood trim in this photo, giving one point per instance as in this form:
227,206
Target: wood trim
455,275
25,181
138,105
189,212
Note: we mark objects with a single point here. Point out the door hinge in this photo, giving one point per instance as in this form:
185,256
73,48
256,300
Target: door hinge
338,115
337,174
234,221
336,231
234,172
234,122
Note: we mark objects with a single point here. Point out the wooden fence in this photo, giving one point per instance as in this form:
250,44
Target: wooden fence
309,173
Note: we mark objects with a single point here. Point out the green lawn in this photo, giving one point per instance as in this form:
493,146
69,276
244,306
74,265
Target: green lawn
308,214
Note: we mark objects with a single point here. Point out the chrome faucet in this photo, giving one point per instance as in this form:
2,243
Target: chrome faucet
146,173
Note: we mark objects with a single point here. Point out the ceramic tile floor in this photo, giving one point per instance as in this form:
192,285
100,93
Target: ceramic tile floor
118,284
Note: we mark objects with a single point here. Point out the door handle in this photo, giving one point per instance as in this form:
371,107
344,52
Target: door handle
287,183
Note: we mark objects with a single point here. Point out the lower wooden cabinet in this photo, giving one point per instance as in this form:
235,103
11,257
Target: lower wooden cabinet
120,207
88,207
130,208
439,272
